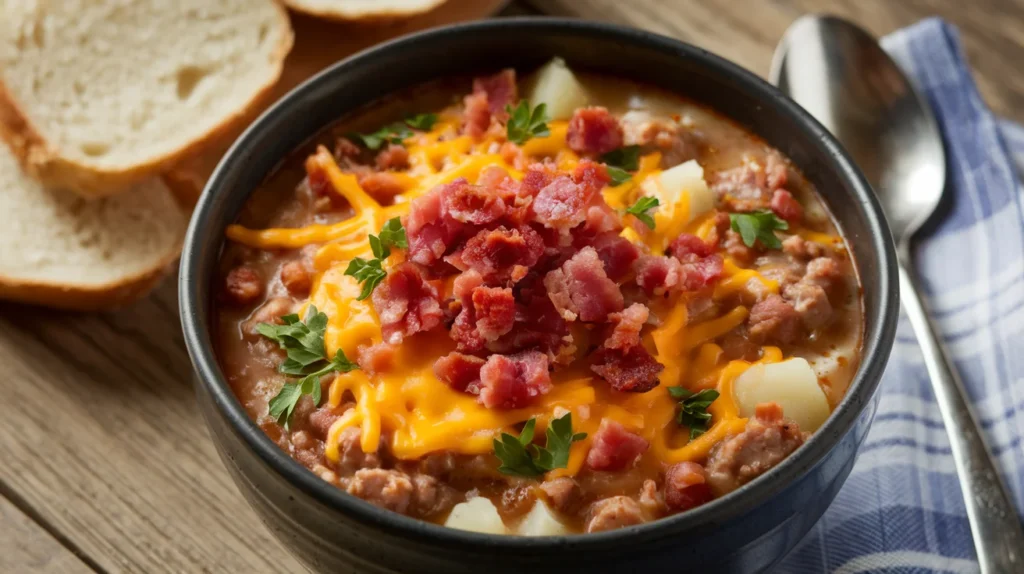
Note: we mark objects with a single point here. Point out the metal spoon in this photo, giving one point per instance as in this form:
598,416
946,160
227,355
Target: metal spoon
840,74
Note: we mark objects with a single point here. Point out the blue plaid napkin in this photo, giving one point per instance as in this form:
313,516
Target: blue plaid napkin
901,509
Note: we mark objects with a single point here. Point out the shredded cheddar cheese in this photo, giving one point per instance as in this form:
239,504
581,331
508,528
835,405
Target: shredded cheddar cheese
417,413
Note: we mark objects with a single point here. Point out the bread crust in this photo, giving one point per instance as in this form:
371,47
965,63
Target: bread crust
375,17
90,298
44,162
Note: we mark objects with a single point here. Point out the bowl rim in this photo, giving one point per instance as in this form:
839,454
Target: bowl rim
736,503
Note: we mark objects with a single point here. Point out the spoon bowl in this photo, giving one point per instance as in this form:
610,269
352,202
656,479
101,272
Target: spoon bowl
843,77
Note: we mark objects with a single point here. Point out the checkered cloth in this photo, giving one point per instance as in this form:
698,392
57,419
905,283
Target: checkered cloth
901,509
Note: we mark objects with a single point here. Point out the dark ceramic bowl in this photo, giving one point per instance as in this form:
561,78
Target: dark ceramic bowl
746,531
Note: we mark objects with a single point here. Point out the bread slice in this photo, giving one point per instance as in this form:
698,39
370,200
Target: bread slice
98,94
63,250
363,9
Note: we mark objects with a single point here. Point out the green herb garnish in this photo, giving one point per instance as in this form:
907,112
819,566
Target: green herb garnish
306,357
627,158
421,121
618,176
520,457
693,408
524,124
758,225
371,272
392,133
641,207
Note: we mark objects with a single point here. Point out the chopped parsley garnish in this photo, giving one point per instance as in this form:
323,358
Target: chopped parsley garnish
421,121
371,272
641,207
306,357
520,457
758,226
618,176
693,408
392,133
524,124
627,158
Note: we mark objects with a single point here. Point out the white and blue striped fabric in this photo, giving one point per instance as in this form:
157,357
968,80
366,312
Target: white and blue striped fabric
901,509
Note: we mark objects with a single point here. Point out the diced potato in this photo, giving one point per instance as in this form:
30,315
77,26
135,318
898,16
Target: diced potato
557,87
684,182
791,383
540,521
476,515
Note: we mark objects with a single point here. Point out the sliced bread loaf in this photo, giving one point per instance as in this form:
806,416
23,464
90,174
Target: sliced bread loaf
98,94
62,250
363,9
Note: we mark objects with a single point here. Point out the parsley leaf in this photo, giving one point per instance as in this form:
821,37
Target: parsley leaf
758,225
524,124
627,158
371,272
693,408
392,133
520,457
641,207
618,176
421,121
303,343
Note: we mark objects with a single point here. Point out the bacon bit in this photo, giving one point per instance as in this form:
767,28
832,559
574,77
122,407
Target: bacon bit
627,326
786,206
496,253
593,131
495,311
500,90
459,371
376,358
581,288
617,254
633,370
381,186
470,203
393,157
614,448
687,244
514,381
477,115
686,486
406,304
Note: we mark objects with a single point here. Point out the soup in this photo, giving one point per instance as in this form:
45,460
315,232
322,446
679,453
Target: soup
582,309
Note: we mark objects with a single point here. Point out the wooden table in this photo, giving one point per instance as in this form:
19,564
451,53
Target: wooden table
105,464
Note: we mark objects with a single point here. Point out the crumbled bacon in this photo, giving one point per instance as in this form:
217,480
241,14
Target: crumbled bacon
392,157
562,203
616,253
536,178
626,327
593,131
345,148
495,311
614,448
473,204
660,275
406,304
514,381
581,289
786,206
497,253
686,486
376,358
500,90
459,371
687,244
633,370
477,115
243,285
382,186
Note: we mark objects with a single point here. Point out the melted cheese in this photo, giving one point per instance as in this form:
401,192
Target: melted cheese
418,414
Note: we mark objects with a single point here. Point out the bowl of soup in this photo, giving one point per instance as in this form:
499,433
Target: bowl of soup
538,295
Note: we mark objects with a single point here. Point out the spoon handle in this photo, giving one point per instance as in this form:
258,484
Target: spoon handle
996,529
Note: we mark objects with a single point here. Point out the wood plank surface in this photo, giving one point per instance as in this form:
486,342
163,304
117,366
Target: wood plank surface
26,547
100,440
